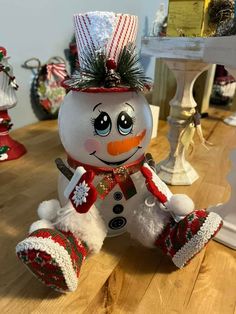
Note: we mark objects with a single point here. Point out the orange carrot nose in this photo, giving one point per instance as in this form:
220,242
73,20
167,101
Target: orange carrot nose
119,147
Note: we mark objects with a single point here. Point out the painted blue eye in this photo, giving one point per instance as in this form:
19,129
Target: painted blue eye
124,123
102,124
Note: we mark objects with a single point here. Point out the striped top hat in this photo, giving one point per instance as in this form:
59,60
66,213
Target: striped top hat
106,54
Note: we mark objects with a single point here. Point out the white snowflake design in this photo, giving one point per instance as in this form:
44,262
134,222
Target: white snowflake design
80,193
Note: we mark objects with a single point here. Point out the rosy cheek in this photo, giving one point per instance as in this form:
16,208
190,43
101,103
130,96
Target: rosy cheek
92,145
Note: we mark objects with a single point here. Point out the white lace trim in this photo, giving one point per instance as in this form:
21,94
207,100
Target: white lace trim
57,252
198,241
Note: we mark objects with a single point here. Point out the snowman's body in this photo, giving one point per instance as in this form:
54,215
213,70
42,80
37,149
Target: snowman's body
114,209
80,138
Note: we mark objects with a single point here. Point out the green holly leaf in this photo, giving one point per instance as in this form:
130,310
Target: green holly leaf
3,149
1,56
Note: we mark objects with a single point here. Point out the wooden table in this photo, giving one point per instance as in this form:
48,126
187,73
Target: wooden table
123,278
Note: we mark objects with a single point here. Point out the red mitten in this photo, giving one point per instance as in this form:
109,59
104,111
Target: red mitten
81,190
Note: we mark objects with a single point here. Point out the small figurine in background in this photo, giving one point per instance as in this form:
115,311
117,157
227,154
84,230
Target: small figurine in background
160,23
9,148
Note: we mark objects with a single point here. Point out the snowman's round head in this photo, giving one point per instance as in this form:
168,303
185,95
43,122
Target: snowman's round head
105,129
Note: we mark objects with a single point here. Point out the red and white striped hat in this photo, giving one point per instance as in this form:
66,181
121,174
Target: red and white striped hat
104,33
98,30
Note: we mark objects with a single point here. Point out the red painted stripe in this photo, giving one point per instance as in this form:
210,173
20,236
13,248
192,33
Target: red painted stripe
132,39
114,36
79,35
91,39
131,29
88,18
82,29
119,38
124,42
136,29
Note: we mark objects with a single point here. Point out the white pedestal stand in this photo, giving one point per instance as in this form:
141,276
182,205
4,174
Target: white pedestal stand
175,169
222,50
184,57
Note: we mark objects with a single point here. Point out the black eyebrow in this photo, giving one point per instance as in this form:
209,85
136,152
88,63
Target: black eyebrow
129,105
96,106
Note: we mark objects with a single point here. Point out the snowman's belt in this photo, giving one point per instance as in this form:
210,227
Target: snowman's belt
113,176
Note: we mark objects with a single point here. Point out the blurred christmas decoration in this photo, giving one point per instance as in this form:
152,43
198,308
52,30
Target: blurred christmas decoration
222,16
223,89
160,23
71,55
47,93
9,148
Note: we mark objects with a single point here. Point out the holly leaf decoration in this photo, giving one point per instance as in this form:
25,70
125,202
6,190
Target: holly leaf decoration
1,55
3,149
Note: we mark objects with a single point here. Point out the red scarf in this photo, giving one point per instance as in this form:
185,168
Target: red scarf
113,176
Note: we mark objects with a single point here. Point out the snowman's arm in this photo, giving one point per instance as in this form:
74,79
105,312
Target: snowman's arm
155,185
179,205
80,190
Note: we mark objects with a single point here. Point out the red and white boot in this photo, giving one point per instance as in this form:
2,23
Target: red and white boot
182,240
59,243
188,230
54,257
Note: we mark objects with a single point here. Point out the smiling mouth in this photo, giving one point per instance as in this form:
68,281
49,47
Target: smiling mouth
116,163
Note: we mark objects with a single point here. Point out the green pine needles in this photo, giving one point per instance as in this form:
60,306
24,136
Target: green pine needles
94,70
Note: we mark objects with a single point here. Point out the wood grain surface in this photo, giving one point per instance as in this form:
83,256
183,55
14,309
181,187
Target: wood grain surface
124,277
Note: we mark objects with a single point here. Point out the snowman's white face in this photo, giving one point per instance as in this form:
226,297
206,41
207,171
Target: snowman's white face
105,129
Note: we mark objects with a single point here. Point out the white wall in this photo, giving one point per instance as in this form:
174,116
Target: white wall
42,29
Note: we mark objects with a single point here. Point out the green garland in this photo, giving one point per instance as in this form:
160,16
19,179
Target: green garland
3,149
94,71
1,56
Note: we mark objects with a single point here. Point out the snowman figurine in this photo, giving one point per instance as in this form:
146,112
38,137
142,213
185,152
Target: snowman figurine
9,148
106,186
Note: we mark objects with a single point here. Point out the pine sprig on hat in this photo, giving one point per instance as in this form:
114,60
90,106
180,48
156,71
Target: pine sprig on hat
129,69
100,71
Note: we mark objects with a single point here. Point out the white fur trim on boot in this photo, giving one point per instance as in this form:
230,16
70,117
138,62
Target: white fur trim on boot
48,209
40,224
89,227
147,222
180,204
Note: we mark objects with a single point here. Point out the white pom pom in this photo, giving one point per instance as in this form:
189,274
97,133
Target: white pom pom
40,224
48,209
180,204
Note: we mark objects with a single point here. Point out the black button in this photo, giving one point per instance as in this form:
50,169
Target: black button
118,208
117,196
117,223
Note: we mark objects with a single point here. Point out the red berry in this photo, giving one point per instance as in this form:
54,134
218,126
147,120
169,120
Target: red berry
111,64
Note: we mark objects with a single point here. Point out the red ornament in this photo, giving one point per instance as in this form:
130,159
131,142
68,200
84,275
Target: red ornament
111,64
3,51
